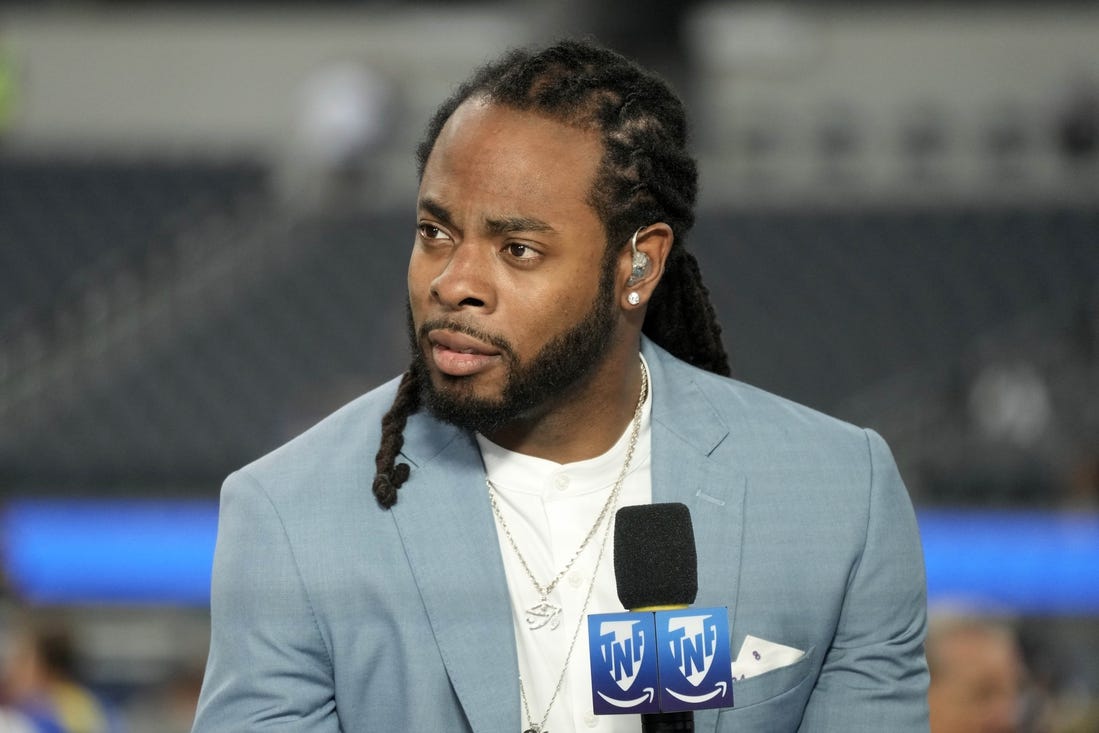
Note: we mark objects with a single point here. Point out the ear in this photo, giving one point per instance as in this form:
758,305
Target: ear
653,242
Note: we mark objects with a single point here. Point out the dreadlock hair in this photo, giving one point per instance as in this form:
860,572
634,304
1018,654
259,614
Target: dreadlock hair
645,176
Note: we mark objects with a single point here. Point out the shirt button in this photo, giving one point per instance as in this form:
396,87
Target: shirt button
591,721
562,482
576,579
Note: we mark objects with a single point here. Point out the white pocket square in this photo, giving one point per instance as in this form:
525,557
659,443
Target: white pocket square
757,656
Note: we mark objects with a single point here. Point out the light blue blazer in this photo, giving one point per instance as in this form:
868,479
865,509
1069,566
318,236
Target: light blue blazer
330,614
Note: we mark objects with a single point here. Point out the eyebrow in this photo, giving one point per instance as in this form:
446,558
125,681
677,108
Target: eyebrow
511,224
437,210
503,225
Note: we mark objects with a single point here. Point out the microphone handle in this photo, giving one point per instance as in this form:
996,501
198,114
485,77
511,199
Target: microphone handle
683,722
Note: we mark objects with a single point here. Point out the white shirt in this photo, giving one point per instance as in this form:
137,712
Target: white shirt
549,508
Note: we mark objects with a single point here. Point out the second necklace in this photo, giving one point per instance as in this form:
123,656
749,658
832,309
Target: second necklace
545,613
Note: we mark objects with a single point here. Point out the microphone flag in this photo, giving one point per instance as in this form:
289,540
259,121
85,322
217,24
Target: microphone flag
663,661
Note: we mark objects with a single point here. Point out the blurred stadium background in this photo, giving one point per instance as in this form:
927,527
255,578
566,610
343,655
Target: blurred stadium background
205,211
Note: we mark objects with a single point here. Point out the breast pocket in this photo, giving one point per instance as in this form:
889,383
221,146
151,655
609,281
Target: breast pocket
774,700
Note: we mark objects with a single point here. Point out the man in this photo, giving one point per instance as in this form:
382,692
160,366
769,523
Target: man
40,681
555,196
976,676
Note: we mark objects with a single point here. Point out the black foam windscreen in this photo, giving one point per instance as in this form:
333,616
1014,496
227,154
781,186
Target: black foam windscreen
654,556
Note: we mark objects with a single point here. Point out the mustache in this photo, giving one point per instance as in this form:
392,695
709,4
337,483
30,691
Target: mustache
443,324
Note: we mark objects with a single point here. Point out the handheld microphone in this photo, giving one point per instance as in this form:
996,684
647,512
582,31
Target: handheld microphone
656,569
655,563
659,659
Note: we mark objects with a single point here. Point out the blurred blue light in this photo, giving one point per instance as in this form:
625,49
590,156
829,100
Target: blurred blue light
110,551
1028,563
160,552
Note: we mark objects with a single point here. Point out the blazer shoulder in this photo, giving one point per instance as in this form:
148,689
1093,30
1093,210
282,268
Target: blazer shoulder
344,439
746,407
782,438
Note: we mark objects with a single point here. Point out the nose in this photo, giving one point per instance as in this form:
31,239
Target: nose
465,280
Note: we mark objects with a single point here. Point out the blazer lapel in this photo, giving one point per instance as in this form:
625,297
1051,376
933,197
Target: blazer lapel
446,525
687,433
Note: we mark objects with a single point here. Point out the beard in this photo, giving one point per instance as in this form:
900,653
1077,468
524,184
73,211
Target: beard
559,367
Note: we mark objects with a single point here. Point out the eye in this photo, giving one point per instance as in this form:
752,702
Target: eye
520,251
430,231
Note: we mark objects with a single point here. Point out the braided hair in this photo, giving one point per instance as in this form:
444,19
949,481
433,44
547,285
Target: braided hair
645,176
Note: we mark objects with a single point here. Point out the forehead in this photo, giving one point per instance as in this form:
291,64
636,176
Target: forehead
491,152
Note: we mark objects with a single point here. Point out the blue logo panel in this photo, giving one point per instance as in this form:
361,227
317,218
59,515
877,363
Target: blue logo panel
694,659
622,647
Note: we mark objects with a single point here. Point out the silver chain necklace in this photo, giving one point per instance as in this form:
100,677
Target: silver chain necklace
539,727
544,613
612,501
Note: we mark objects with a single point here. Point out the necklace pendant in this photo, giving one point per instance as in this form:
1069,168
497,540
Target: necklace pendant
535,729
541,615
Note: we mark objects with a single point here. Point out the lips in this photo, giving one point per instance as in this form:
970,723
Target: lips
459,354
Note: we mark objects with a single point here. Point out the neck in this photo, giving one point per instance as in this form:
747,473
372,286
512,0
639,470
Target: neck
583,424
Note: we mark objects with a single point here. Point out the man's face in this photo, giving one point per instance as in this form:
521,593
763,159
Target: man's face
511,296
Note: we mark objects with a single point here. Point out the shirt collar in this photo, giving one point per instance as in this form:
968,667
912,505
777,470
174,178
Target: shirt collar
511,471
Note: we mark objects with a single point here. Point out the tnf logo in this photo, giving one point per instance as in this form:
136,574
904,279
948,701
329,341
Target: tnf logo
622,651
692,641
694,659
623,646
